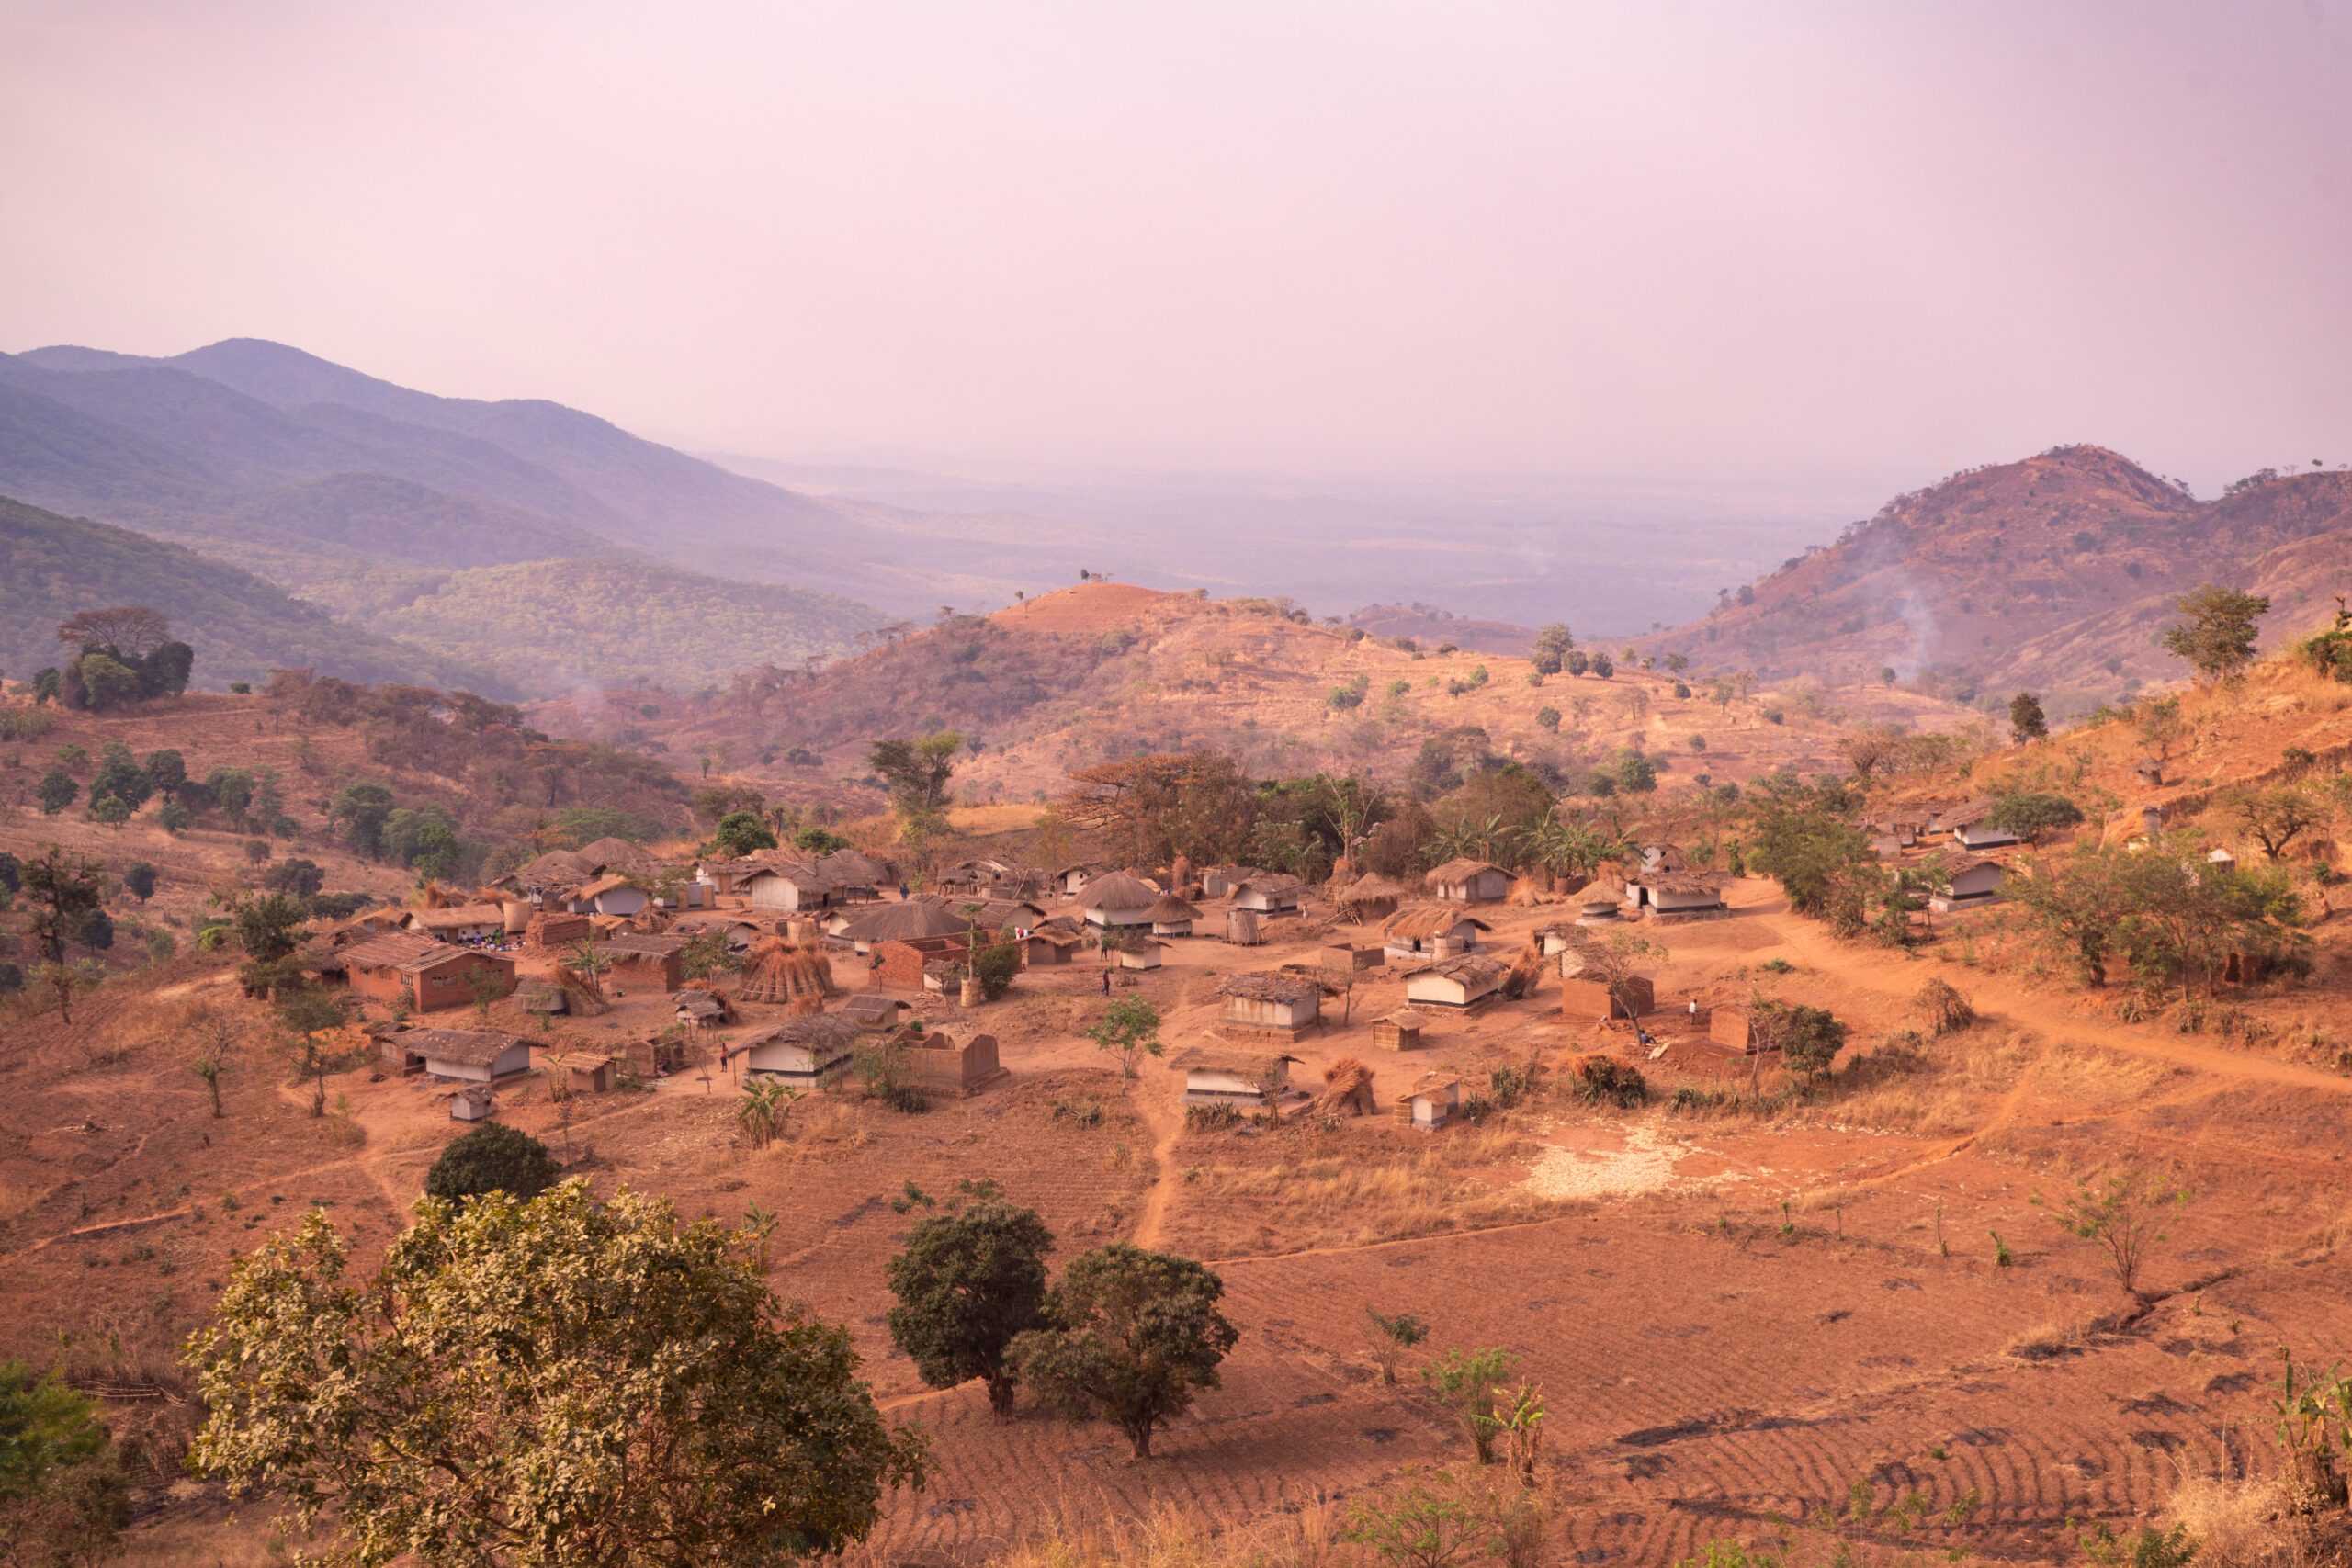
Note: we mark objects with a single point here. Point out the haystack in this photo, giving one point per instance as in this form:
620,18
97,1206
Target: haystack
436,896
1347,1089
1525,969
780,971
1526,890
583,993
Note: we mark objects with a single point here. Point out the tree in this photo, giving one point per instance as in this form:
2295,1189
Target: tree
2160,726
1147,810
1801,837
424,838
100,682
64,1498
2032,814
231,790
217,1034
1808,1039
916,772
2124,1212
139,881
1601,666
2217,639
167,770
359,811
64,891
57,790
269,927
1128,1027
762,1109
1464,1383
2027,721
1553,645
2078,906
741,833
995,965
1391,1336
2277,815
492,1157
308,1020
296,878
130,631
173,817
1547,717
651,1402
967,1284
1132,1337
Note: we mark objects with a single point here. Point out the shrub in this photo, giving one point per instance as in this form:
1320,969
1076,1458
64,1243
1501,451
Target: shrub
1603,1080
1547,719
1943,1008
1219,1118
492,1157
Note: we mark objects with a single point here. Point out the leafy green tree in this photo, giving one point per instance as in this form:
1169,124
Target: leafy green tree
2027,721
269,927
296,878
64,891
57,790
1601,666
1553,645
2125,1213
1801,837
492,1157
359,811
64,1498
967,1284
139,881
308,1020
650,1401
1129,1027
2078,906
916,773
995,963
1808,1039
2216,638
167,770
1547,719
741,833
2033,814
2275,816
101,682
1132,1337
424,838
121,775
108,809
1633,772
231,790
173,817
1464,1381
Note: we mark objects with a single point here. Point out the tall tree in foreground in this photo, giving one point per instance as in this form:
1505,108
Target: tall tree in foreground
66,893
651,1403
968,1283
2216,638
1132,1336
63,1498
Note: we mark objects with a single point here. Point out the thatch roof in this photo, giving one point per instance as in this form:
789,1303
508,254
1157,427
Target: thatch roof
1470,969
820,1031
1271,987
870,1009
1688,882
466,1047
610,852
1419,923
1461,871
407,951
557,868
638,944
1370,889
1118,891
904,922
1663,857
1270,881
1255,1064
1168,906
854,869
456,915
1406,1019
698,1002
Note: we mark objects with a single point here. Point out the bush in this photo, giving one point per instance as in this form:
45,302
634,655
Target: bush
1603,1080
492,1157
1220,1117
1943,1008
1547,719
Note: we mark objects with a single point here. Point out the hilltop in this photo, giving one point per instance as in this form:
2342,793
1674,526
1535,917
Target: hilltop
2055,573
1102,670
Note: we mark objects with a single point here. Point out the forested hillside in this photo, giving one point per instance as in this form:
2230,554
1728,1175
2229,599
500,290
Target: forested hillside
241,626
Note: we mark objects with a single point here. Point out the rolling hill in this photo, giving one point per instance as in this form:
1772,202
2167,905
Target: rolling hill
241,626
2056,573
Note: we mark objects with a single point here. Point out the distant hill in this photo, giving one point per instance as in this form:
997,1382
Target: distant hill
554,625
2056,573
241,626
245,437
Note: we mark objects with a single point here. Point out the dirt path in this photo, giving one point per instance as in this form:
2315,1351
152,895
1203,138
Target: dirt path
1166,1121
1870,971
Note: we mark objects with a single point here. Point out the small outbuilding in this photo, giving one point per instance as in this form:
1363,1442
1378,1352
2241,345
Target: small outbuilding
1370,897
649,962
2149,771
1469,882
1733,1026
873,1011
584,1072
1400,1030
1582,996
954,1058
1346,959
794,889
610,895
1241,929
471,1104
1135,950
1456,983
1171,916
1430,1104
1677,896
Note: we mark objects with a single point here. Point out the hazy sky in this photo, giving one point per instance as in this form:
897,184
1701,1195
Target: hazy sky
1656,241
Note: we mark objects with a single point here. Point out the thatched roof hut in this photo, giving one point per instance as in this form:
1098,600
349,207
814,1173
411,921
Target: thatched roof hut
904,922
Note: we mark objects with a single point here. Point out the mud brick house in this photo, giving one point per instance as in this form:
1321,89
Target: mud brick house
1269,894
1977,882
611,895
794,889
643,962
1247,1080
954,1058
1370,898
1456,983
1117,898
872,1010
549,929
1676,894
584,1072
1400,1030
1581,995
460,922
805,1052
1469,882
408,966
1285,1005
468,1056
914,920
1430,932
903,966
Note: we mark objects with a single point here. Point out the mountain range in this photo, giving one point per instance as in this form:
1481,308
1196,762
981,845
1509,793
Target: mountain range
2057,573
